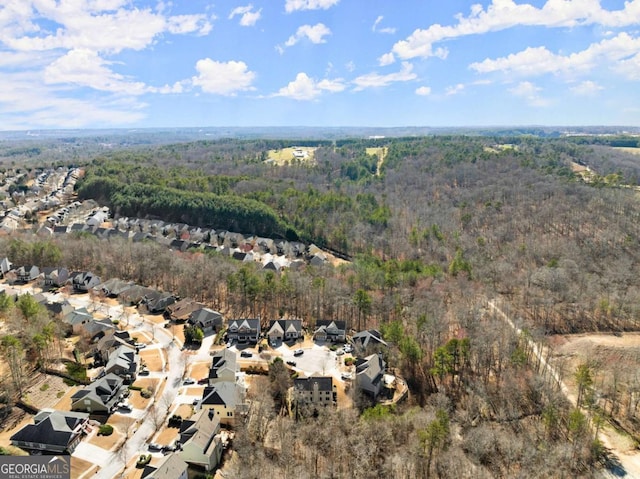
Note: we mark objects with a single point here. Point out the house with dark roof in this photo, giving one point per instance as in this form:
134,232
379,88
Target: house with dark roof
201,443
171,467
109,342
52,432
244,331
124,362
25,274
284,330
315,391
208,320
5,266
113,287
83,281
100,396
368,340
156,302
329,330
55,277
225,399
224,366
181,311
370,374
59,309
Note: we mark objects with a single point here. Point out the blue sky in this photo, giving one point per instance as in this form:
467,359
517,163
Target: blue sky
120,63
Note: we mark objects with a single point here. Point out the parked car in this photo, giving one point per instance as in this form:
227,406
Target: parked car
196,402
203,381
143,372
291,363
298,352
348,348
124,407
140,345
246,354
155,447
189,381
347,376
339,352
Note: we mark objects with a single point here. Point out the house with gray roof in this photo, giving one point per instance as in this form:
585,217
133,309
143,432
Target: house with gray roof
171,467
314,391
225,399
370,374
83,281
329,330
100,396
284,330
208,320
368,340
244,330
124,362
224,367
201,441
52,432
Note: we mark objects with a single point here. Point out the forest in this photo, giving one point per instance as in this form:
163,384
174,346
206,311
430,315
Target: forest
439,227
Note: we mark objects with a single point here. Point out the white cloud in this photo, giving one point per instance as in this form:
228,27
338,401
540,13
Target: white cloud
505,14
181,24
586,88
350,66
454,89
530,92
423,91
386,59
619,52
295,5
375,80
315,34
248,17
86,69
27,103
100,25
381,30
306,88
223,78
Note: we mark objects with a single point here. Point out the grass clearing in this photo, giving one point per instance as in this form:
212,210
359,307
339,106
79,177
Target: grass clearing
304,155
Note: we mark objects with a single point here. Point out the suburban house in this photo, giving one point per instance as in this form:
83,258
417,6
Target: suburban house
171,467
284,330
201,441
59,309
223,367
83,281
315,391
100,396
54,432
328,330
224,398
25,274
370,374
366,340
114,287
156,301
181,311
124,362
109,342
208,320
79,320
244,330
55,277
5,267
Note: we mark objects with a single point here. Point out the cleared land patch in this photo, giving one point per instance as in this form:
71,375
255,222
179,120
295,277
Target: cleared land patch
292,155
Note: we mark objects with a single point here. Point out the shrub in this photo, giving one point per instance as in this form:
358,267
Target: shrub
349,361
44,387
105,430
146,393
135,388
143,460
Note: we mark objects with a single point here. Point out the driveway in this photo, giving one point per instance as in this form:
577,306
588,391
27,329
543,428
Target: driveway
314,360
